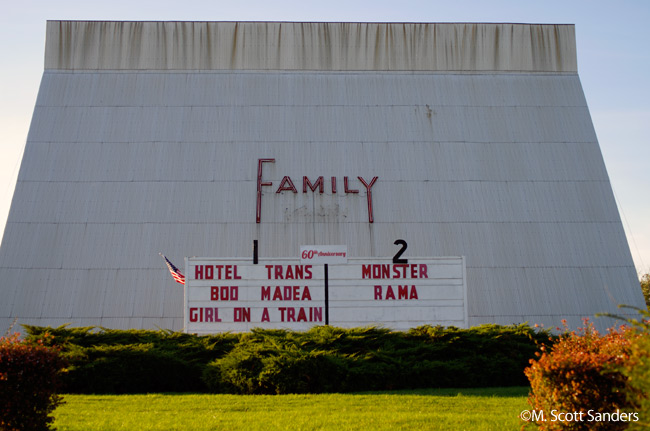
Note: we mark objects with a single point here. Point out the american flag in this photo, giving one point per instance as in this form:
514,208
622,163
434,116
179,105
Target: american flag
180,278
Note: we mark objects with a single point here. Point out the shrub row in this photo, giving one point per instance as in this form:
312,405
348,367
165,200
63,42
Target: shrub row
323,359
114,361
328,359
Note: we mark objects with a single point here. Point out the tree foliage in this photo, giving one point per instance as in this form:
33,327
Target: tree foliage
645,288
637,370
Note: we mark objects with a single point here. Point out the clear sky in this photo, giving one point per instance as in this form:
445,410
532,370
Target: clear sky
613,42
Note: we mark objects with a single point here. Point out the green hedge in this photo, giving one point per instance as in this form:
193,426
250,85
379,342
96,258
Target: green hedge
114,361
323,359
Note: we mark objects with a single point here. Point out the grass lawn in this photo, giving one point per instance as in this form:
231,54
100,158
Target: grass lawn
434,409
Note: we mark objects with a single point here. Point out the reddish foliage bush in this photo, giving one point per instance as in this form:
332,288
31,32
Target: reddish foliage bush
581,375
637,368
29,379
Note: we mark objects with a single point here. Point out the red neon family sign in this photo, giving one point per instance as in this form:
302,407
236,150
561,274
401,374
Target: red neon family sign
287,185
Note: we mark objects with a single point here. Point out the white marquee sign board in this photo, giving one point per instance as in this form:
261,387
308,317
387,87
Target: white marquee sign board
236,295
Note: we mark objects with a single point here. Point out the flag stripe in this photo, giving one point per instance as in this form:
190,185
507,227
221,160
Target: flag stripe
180,278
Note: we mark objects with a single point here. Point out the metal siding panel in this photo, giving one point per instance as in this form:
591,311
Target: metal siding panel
160,322
90,294
93,322
529,291
278,88
30,295
616,280
58,302
149,301
303,123
116,322
496,244
11,283
121,294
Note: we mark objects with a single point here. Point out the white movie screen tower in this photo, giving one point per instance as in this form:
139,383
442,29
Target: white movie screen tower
463,145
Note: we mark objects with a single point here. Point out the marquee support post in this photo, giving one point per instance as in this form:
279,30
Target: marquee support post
327,296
